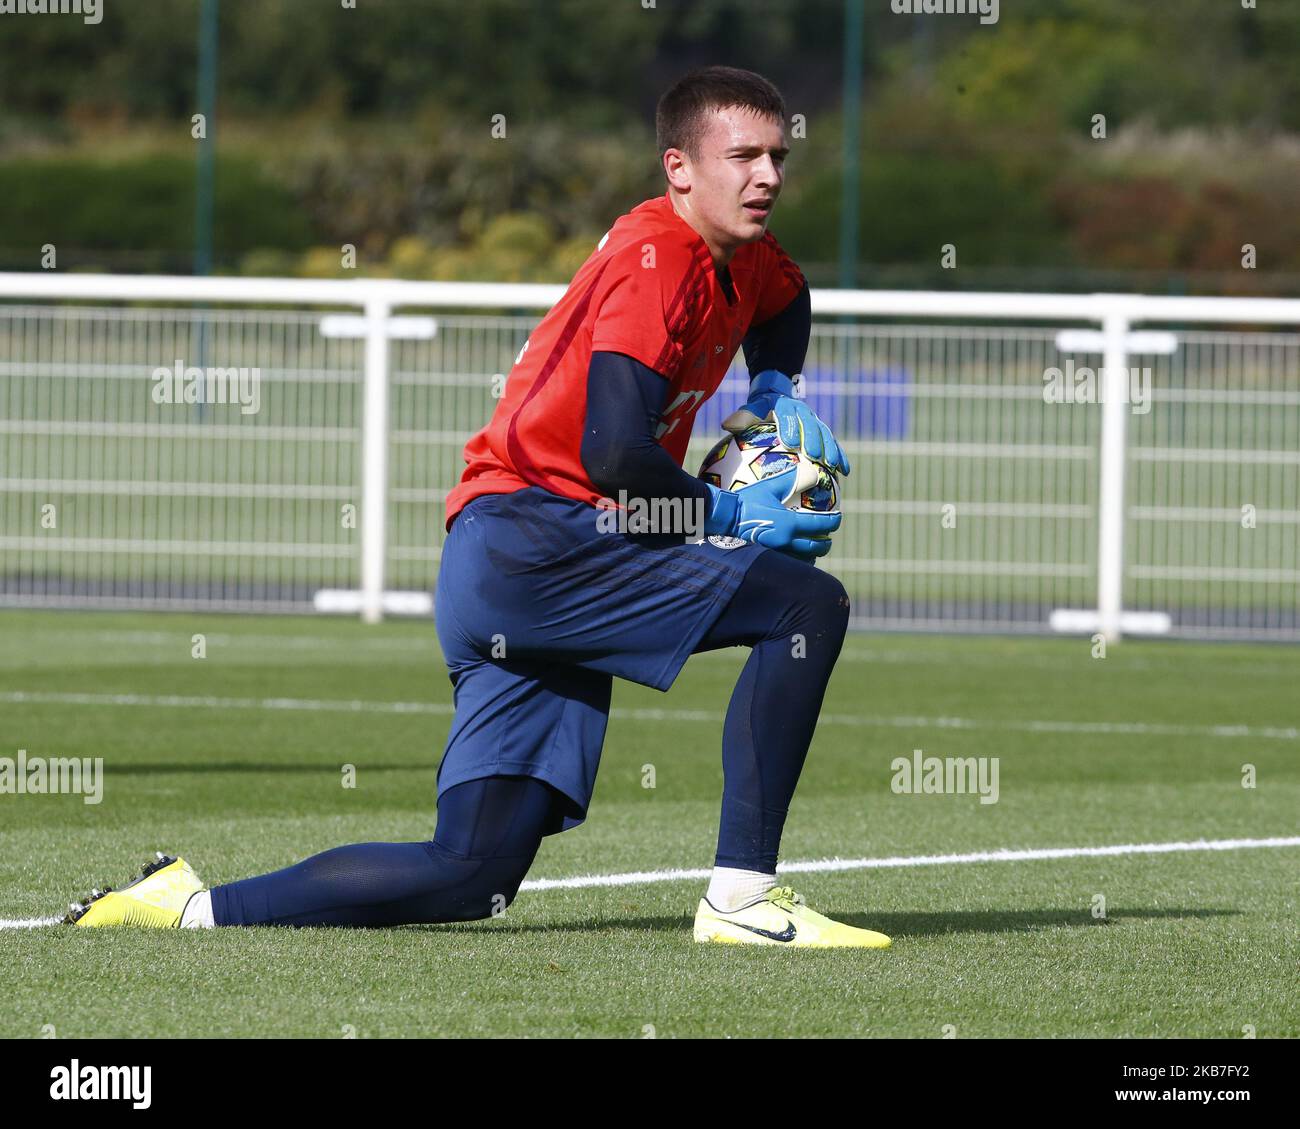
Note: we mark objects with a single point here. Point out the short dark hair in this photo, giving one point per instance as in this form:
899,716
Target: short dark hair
680,119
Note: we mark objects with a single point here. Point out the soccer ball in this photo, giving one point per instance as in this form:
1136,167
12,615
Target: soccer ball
758,453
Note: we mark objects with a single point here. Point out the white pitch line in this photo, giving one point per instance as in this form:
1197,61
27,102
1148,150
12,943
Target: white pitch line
179,641
1139,728
196,701
646,877
855,651
427,645
335,705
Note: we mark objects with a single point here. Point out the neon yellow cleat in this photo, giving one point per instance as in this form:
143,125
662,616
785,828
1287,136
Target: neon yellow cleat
781,918
155,900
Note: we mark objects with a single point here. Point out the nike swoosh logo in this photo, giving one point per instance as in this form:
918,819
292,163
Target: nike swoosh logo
786,934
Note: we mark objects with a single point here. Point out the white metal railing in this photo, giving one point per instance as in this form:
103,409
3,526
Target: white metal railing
976,503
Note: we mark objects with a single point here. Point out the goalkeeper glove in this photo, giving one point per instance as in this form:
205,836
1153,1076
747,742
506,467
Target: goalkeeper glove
772,393
757,513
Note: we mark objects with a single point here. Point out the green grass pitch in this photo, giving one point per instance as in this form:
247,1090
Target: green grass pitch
1197,943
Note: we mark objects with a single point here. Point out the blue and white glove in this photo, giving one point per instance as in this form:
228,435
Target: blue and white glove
772,393
757,513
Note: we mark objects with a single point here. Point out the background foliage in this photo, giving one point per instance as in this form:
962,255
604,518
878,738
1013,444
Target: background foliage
372,126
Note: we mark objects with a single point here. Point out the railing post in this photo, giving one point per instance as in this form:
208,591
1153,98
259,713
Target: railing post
374,462
1114,387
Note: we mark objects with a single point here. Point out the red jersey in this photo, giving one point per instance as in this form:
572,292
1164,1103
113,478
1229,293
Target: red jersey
650,291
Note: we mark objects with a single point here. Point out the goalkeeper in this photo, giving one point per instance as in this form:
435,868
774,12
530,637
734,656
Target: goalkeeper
538,609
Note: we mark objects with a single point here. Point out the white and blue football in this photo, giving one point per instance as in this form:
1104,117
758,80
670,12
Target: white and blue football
758,453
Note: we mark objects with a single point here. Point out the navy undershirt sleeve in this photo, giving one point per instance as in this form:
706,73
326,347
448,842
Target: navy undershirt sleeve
781,342
625,401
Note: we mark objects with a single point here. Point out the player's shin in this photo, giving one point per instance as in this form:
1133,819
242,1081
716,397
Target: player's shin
772,714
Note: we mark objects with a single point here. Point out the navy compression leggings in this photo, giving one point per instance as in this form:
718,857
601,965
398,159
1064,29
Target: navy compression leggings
488,831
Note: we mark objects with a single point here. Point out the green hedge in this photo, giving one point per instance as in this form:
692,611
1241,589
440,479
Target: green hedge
912,203
141,206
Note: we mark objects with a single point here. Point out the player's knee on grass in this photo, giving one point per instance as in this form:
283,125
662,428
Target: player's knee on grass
489,831
469,889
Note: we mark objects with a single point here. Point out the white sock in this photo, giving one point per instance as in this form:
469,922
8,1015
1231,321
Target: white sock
198,912
730,890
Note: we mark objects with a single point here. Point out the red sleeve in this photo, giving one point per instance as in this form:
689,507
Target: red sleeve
644,302
780,280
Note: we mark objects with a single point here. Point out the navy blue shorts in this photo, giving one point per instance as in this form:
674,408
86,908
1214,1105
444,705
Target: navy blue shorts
538,610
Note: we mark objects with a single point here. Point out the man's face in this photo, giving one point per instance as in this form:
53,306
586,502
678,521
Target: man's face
728,189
